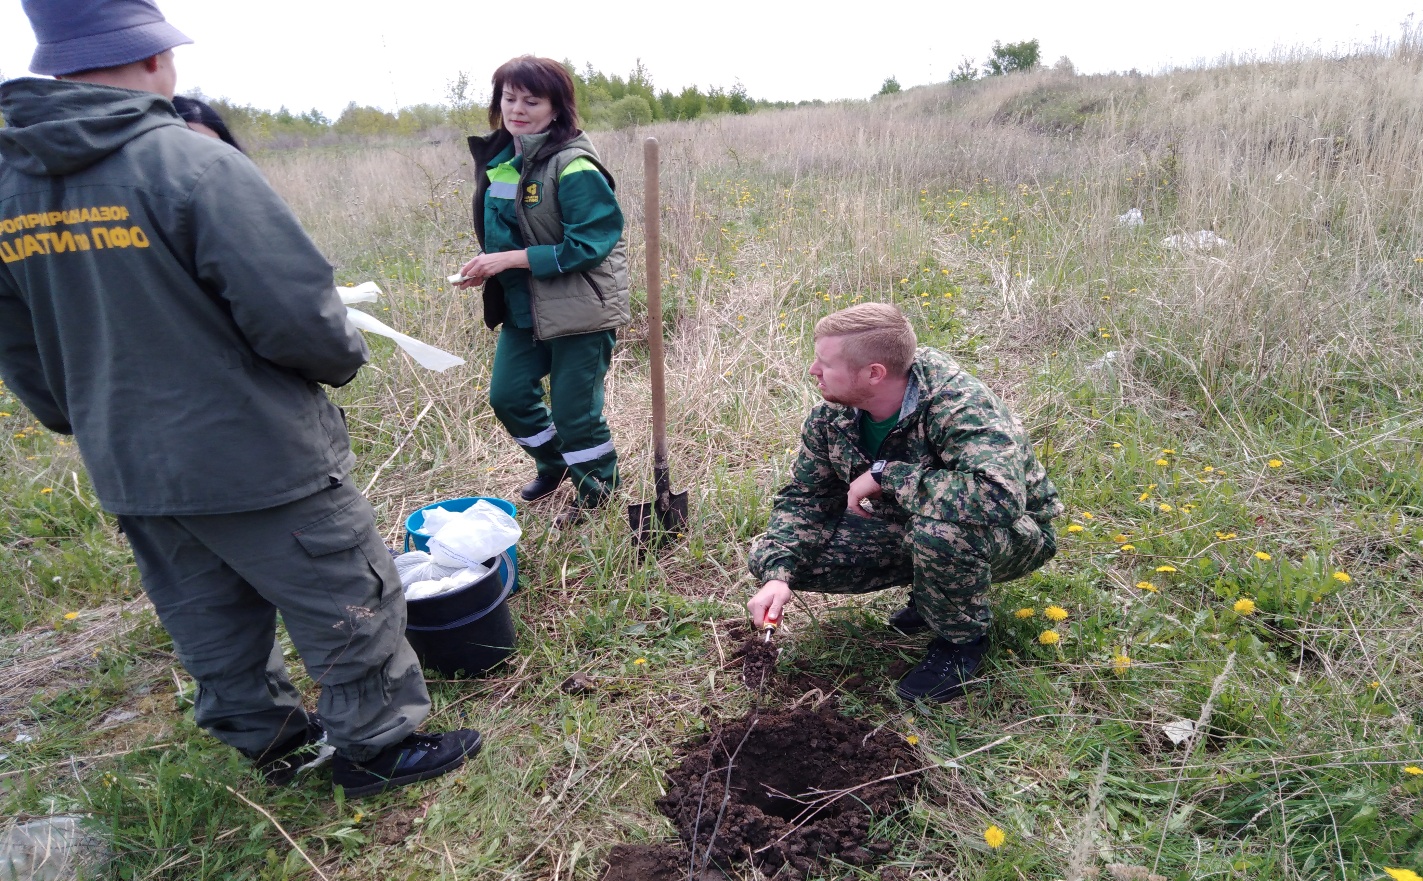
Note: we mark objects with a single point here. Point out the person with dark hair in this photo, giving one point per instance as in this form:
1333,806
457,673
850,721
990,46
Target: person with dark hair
159,302
204,120
959,499
554,271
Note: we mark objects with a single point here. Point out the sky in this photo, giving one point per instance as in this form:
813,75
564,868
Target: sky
324,54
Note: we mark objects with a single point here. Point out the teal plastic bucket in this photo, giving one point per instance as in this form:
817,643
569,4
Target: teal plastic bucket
508,561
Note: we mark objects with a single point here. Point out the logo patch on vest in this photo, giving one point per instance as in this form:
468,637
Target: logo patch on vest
533,193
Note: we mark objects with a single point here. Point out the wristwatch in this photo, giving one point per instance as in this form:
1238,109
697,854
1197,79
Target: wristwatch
877,472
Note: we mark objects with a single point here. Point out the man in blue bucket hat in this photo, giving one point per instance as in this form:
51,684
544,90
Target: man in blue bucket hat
161,303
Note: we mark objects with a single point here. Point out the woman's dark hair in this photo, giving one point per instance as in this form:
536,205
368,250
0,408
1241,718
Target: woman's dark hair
193,110
545,78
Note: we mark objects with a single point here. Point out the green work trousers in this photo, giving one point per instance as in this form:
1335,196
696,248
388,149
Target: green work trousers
949,565
218,582
569,432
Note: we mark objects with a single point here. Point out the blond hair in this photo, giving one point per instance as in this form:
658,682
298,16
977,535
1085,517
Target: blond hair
874,333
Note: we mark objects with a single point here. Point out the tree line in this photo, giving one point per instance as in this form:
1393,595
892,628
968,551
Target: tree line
604,102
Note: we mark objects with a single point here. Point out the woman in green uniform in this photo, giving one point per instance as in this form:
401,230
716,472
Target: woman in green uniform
554,271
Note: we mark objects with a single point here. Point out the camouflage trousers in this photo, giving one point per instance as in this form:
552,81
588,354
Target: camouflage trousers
948,565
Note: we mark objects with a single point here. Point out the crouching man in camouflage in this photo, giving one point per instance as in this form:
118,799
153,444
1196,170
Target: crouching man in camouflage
911,472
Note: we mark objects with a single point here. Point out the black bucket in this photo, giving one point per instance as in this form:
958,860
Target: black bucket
467,630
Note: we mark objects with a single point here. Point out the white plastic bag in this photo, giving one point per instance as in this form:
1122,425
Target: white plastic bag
422,577
424,354
475,535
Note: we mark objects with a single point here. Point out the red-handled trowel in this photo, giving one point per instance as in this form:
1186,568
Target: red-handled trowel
654,522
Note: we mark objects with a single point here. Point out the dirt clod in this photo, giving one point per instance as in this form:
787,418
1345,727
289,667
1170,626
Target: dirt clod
578,683
787,805
758,662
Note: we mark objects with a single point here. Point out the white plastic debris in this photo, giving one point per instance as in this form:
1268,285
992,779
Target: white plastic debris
457,278
51,849
1106,362
424,354
1202,240
24,738
1179,731
1131,218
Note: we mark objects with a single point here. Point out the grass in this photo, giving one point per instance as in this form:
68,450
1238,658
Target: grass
1198,409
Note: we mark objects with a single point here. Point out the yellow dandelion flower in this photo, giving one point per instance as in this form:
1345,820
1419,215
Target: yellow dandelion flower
46,491
1374,686
912,739
358,817
1413,769
640,661
1128,548
1147,586
3,414
1262,556
1025,612
1402,874
1116,446
1168,452
1076,527
1087,515
1342,577
1165,508
1143,497
1162,462
1049,637
1208,469
904,281
1120,663
1275,463
70,616
1245,606
994,836
1167,568
1055,613
1121,538
1224,536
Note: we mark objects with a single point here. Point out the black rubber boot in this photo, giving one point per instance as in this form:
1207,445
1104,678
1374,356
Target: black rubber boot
542,486
944,672
908,619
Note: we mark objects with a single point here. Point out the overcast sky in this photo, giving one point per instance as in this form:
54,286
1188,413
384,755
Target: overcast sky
323,54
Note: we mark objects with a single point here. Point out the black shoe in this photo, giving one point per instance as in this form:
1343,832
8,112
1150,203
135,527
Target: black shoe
542,486
417,757
309,749
908,619
943,673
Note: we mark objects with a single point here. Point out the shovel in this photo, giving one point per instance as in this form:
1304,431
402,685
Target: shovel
653,522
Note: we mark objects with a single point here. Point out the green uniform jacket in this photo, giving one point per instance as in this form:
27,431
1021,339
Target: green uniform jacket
563,303
957,454
162,304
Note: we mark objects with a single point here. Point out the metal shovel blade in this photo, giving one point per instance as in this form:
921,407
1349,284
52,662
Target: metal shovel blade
653,523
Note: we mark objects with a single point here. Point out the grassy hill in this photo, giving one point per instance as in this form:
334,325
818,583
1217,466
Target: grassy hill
1227,395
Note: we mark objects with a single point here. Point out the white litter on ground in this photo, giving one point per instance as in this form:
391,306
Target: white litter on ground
1131,218
1179,731
1204,240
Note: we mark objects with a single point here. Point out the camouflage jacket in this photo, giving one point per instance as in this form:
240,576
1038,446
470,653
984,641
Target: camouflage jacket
957,454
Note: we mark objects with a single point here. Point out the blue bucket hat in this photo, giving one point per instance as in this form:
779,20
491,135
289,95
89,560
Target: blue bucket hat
77,35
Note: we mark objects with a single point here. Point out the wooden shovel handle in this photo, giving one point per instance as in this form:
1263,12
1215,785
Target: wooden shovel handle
652,220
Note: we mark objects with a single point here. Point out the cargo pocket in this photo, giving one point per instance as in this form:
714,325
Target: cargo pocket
345,550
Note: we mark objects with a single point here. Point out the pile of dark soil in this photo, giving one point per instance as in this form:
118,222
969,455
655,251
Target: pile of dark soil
653,862
771,788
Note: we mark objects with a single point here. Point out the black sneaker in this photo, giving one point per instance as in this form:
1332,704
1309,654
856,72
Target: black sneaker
417,757
944,672
307,750
908,620
542,486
